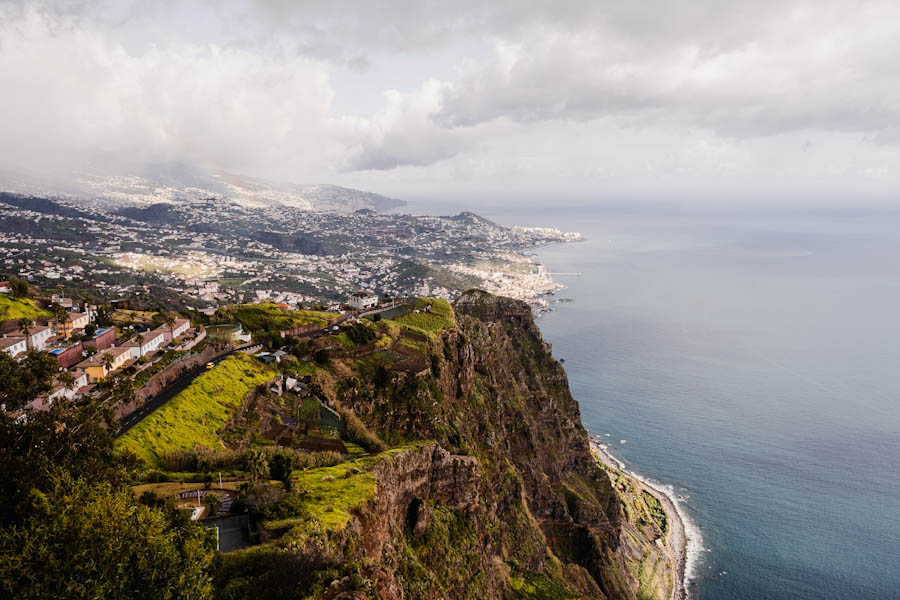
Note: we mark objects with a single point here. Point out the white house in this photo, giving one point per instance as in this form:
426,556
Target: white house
13,345
4,287
178,329
152,341
37,336
363,300
60,391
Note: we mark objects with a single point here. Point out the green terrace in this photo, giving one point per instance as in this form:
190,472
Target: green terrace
196,416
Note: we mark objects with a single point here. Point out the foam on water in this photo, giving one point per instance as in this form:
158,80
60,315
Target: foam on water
693,537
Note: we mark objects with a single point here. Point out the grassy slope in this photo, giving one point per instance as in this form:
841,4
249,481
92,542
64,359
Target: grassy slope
271,317
197,415
19,308
439,317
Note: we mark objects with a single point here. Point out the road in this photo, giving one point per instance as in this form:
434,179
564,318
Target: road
170,391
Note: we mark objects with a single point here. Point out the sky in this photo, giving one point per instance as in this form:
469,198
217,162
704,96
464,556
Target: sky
710,101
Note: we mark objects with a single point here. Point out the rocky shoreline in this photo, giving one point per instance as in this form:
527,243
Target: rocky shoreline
677,538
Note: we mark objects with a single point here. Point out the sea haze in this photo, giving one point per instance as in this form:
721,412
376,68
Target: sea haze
754,364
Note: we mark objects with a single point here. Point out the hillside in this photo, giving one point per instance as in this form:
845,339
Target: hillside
490,489
19,308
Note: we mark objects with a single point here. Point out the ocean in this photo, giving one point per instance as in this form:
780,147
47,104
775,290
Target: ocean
752,363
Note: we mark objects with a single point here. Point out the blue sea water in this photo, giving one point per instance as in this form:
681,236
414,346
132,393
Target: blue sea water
753,363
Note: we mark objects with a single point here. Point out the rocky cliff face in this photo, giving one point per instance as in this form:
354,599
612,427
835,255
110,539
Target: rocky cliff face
505,499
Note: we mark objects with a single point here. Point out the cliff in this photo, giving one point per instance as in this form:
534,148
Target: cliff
491,491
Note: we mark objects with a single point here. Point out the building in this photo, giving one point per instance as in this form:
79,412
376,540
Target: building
37,336
151,343
13,345
363,300
58,390
96,370
178,329
73,322
4,287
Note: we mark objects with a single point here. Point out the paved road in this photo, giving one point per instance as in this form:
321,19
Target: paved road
170,391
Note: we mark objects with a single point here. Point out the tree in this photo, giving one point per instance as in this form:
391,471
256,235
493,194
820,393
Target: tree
376,317
256,464
82,540
25,325
213,502
322,356
67,380
107,361
89,330
280,468
169,320
19,288
382,376
67,438
60,316
103,316
23,381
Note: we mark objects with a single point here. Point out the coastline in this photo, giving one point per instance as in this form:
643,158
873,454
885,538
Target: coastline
684,538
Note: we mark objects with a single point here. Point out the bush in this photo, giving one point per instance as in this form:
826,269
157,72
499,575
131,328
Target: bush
359,433
280,467
322,356
361,334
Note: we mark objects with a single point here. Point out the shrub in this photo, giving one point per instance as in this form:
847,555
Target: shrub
322,356
359,433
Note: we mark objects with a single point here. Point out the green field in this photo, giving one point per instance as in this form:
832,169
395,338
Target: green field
270,317
19,308
197,415
438,318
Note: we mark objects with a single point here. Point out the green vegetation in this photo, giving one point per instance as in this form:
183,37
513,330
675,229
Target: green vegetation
20,308
22,381
655,510
435,316
271,317
79,538
197,415
329,494
537,585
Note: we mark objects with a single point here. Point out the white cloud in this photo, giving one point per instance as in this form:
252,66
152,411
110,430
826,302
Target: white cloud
578,96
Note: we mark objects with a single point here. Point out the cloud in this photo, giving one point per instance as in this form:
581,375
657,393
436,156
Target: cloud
801,66
74,96
470,91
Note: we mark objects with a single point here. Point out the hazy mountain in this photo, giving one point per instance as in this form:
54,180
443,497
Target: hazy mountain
178,182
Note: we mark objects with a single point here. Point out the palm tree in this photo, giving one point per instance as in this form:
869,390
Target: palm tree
140,342
107,361
170,323
59,314
25,325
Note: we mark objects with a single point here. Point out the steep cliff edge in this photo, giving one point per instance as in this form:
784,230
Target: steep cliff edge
491,490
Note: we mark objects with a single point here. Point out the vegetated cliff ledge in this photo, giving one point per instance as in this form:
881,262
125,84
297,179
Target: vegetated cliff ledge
493,492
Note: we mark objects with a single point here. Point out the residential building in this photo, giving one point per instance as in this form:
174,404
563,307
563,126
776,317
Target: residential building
96,370
13,345
73,322
178,329
363,300
4,287
152,340
58,390
37,337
